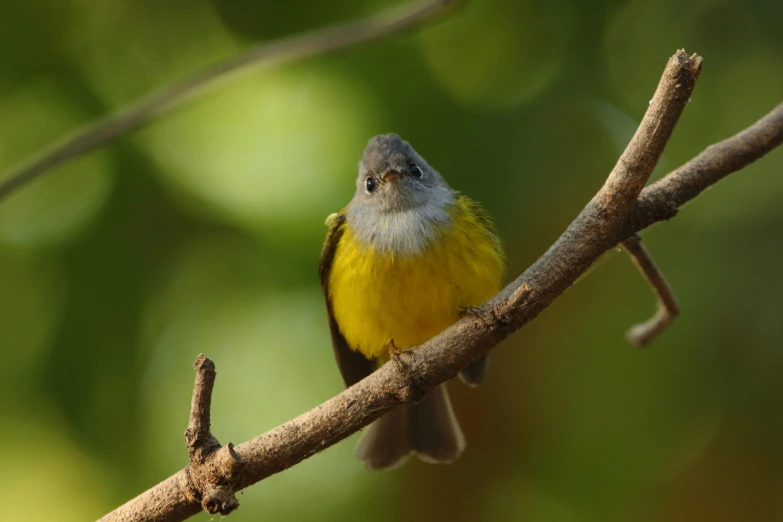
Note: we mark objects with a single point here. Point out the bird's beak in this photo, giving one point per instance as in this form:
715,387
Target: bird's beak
391,175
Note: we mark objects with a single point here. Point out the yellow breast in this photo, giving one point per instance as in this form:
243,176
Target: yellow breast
377,296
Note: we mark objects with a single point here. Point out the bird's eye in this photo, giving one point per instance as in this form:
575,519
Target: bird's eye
415,171
371,184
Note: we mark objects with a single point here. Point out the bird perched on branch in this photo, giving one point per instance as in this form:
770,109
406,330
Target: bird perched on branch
400,264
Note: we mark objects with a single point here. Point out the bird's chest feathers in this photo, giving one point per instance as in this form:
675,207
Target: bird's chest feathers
407,294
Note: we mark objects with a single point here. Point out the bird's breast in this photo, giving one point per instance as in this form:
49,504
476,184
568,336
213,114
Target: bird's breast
408,296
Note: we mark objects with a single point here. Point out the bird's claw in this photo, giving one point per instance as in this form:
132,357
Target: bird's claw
471,311
394,352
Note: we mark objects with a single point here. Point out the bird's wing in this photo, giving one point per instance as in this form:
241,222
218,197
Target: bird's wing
353,365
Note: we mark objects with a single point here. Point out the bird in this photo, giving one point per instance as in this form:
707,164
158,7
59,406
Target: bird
403,261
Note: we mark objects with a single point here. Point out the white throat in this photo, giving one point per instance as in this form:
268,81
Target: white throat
401,232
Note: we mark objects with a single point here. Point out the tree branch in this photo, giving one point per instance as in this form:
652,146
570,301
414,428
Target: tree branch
663,199
156,103
617,212
644,333
637,162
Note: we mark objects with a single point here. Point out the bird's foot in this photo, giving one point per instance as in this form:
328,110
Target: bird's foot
394,352
471,311
398,355
404,361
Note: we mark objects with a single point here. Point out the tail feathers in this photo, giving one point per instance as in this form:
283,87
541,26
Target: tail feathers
473,374
429,429
387,443
437,436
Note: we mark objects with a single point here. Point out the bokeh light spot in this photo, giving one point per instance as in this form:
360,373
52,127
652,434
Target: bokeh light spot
500,53
268,150
512,498
44,475
127,49
32,292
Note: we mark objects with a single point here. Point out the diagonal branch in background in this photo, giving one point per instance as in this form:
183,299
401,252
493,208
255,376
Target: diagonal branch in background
281,51
606,221
644,333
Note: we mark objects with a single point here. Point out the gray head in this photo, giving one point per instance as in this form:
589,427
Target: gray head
393,176
400,201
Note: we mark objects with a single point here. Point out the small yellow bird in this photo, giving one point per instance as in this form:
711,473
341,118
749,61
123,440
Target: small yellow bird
400,264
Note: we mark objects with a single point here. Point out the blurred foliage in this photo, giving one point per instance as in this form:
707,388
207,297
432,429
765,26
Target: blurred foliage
202,233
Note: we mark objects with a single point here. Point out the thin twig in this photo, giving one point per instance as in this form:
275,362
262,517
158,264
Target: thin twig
644,333
156,103
601,225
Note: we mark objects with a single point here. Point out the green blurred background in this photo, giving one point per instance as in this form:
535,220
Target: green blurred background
201,233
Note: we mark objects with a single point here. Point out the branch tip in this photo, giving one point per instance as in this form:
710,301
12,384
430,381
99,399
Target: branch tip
203,363
691,63
633,169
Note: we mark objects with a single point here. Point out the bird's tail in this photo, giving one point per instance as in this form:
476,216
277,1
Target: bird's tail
428,428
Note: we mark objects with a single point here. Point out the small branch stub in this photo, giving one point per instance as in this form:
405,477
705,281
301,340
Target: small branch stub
198,438
213,467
